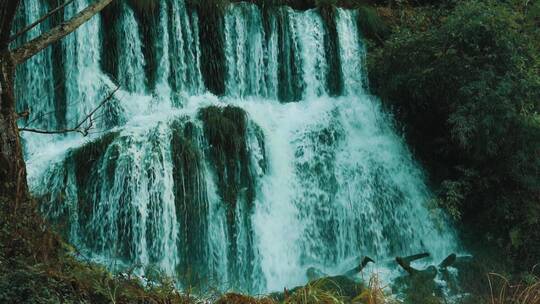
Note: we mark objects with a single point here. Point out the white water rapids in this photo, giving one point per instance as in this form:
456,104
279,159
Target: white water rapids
319,181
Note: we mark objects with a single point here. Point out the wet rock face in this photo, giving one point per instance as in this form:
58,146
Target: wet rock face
226,132
212,52
149,197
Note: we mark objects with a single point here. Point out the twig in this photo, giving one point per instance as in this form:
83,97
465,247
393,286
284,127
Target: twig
78,128
40,20
23,114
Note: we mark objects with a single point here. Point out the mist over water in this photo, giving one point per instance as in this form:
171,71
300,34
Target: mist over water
315,174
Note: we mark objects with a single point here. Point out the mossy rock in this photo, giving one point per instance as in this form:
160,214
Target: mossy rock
212,41
85,157
225,130
191,202
334,78
226,134
83,161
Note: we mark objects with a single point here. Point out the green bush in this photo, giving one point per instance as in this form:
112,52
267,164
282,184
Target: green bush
465,83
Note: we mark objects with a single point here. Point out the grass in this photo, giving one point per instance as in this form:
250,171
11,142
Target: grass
36,266
374,293
525,292
316,292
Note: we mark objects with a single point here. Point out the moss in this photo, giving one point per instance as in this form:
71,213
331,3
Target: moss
225,130
143,6
59,76
191,202
259,136
109,51
85,157
84,161
290,85
212,41
334,78
148,20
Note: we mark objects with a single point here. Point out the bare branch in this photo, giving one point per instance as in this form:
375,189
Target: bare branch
61,131
34,46
23,114
40,20
79,127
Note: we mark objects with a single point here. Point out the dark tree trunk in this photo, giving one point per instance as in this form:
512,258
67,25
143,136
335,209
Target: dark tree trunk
13,186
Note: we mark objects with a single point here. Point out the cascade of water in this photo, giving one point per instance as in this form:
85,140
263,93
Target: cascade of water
131,61
245,51
239,191
271,58
308,32
146,196
345,185
352,52
121,198
86,85
163,88
35,86
185,50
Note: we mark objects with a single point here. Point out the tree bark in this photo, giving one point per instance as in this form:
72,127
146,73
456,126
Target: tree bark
13,186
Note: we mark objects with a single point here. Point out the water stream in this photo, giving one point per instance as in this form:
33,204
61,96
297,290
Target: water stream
287,169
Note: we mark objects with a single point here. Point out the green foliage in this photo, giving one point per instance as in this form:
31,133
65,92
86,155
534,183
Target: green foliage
371,24
36,266
465,82
68,280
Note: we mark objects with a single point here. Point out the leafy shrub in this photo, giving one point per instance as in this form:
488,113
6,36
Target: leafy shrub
465,83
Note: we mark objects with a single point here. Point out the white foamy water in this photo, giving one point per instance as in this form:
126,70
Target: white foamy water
317,182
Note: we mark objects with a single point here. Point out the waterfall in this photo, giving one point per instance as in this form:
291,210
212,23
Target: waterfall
352,53
294,164
185,48
245,51
131,59
35,88
85,83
